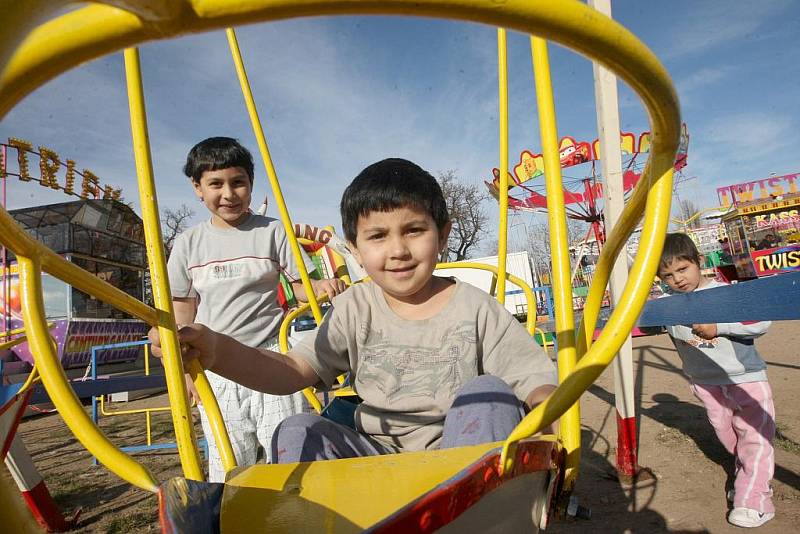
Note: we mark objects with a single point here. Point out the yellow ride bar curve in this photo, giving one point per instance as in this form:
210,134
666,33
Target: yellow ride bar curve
283,343
59,390
530,323
95,30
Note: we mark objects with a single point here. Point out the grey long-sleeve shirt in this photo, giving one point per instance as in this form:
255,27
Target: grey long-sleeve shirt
729,358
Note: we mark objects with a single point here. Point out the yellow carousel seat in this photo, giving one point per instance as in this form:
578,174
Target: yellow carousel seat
442,490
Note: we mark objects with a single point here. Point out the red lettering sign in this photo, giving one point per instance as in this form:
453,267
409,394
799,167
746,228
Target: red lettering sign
777,260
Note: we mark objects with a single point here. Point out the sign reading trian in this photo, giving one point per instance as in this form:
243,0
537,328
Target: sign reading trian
50,167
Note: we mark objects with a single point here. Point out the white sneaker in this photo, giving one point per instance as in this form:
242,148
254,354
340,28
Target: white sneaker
748,518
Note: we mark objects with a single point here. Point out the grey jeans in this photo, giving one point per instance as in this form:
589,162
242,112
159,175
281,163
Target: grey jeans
484,410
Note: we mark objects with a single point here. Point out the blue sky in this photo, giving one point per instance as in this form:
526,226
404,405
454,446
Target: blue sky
336,94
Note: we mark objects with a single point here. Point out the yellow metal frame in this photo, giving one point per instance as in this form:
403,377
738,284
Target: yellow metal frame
543,336
146,411
33,53
530,323
698,214
156,259
14,332
12,342
502,228
652,196
283,343
60,392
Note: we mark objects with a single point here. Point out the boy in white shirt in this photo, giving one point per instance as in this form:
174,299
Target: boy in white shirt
224,274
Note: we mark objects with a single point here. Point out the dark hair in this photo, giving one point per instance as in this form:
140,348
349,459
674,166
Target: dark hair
387,185
678,246
217,153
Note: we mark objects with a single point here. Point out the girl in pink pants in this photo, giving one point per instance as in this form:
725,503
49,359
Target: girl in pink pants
730,378
743,417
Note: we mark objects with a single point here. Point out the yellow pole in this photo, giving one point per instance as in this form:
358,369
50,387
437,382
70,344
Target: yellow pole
570,425
173,368
271,174
502,229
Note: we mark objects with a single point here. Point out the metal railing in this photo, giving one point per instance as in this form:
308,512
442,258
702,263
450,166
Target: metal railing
99,403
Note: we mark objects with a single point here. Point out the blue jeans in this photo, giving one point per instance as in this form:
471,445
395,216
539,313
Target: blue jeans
484,410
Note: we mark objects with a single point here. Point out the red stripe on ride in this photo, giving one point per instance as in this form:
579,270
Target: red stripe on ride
45,511
627,462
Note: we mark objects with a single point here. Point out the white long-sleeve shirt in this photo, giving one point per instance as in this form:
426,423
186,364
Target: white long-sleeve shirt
729,358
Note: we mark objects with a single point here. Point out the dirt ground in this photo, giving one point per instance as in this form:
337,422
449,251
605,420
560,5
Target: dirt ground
675,442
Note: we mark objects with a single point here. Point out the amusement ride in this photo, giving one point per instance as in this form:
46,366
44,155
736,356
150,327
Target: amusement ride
506,486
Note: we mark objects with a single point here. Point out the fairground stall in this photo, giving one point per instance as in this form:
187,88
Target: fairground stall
104,237
763,227
94,231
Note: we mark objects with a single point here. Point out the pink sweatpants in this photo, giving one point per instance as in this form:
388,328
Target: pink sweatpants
743,416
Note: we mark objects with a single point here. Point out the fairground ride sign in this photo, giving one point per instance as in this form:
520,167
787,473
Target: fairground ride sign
759,190
53,172
777,260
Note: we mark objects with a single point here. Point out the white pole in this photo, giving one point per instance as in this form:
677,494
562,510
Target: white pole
605,90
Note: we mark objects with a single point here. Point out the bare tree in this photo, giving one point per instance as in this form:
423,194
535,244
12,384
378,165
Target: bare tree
688,209
538,237
173,222
468,218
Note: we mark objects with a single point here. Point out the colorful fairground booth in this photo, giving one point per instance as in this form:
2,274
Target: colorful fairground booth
763,226
104,237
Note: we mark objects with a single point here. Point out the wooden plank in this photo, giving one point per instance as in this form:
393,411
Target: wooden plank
102,386
774,298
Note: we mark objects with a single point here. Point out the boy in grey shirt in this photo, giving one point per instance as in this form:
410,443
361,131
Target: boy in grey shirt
223,273
437,363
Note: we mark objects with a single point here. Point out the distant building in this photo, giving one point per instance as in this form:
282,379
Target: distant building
103,237
707,237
